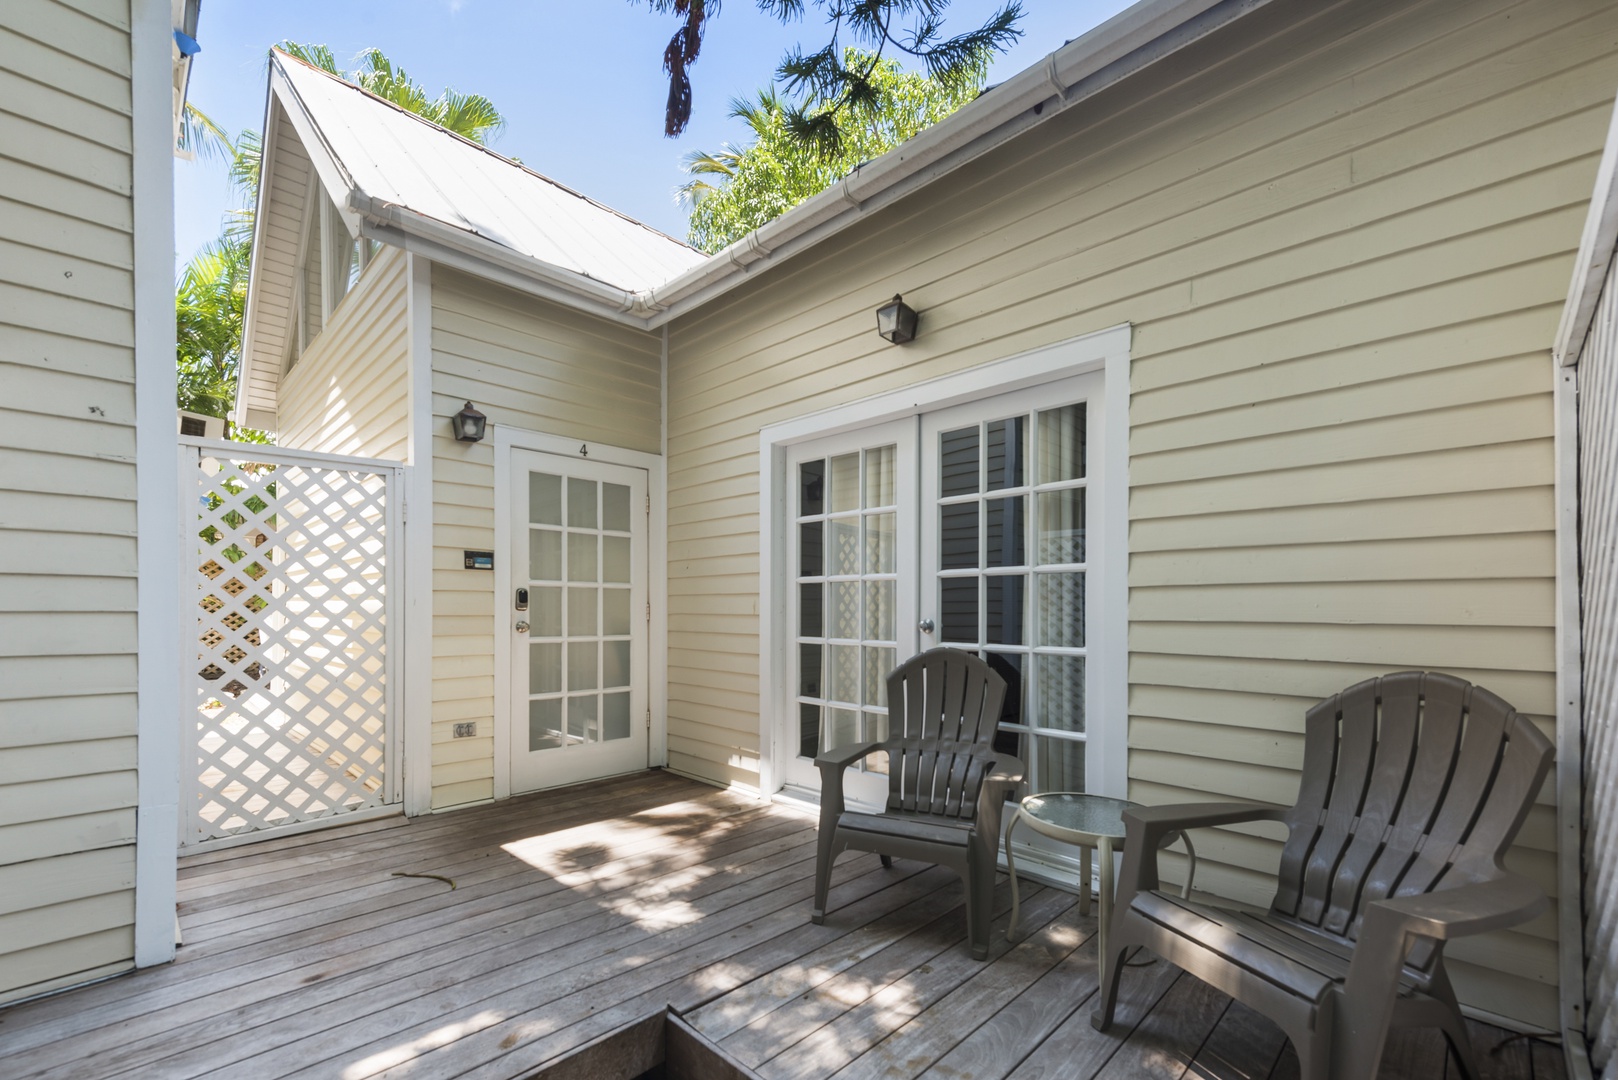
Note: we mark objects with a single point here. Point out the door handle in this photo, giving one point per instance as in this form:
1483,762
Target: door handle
521,627
925,626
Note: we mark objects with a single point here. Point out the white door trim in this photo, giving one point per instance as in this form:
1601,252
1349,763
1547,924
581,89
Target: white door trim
507,439
1106,351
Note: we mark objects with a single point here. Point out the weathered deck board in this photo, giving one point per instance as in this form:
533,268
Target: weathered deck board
581,910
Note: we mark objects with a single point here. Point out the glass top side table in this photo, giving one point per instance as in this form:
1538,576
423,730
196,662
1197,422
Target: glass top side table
1090,822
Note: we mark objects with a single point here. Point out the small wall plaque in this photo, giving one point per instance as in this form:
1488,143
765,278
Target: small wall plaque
480,560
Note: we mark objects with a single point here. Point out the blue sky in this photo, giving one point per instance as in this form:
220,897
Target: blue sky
579,81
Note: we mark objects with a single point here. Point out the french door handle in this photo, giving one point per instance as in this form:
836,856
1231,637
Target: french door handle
521,627
925,626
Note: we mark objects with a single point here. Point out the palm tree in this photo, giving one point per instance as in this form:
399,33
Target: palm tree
759,116
212,291
471,116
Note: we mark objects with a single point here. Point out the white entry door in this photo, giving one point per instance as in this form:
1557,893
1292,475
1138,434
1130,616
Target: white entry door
963,527
578,619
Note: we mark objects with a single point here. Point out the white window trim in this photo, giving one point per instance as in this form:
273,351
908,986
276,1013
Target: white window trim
1106,351
507,439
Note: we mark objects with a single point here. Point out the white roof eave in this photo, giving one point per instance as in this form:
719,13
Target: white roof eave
1126,44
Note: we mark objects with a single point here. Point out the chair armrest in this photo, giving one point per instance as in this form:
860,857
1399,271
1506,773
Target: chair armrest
1388,929
1462,910
1146,826
844,756
1174,817
832,764
1007,773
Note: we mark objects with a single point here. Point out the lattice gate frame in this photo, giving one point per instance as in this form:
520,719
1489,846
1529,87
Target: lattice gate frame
290,615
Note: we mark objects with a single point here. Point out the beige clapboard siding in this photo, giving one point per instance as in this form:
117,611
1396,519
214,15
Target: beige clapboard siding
279,245
349,393
530,365
67,496
1342,245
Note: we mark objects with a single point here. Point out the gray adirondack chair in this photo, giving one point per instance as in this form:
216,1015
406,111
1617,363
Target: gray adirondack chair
946,784
1414,785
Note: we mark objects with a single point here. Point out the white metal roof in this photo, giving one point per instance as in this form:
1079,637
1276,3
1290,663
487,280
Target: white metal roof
394,159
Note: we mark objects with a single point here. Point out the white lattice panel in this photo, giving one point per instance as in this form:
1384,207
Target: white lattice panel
289,584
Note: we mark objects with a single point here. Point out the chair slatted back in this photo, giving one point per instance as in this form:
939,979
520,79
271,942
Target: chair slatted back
943,706
1410,781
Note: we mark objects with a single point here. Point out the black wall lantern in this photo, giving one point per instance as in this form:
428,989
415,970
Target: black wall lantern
896,321
468,424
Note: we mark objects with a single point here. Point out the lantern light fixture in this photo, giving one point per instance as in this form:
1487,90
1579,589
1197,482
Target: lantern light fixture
896,321
468,424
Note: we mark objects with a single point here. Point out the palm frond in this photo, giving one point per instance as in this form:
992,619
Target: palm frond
318,55
201,135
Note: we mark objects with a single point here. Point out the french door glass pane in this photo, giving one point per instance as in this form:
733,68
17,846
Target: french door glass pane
1061,526
812,488
545,724
958,462
1005,452
581,503
958,536
545,611
544,498
1062,444
1060,764
615,612
615,507
1061,610
845,482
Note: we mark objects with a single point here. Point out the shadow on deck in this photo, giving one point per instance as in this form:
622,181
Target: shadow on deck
577,911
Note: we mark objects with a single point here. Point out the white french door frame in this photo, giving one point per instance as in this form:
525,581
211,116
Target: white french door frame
506,439
863,788
1106,352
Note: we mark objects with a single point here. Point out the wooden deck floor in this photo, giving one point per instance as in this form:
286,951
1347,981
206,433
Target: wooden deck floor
577,911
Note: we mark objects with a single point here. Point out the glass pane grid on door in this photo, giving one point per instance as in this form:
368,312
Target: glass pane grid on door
580,611
1011,505
845,553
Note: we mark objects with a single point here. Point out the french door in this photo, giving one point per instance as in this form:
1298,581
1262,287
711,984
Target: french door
963,527
578,619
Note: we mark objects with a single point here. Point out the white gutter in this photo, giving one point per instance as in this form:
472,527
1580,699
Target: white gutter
453,246
1123,45
1129,42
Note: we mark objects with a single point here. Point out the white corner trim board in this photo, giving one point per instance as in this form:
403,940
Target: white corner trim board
1106,352
416,700
157,488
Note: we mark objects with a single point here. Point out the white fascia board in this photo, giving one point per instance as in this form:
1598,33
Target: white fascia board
1128,43
334,177
250,316
451,246
1595,254
1124,45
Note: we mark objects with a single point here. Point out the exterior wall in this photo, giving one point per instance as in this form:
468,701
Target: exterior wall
1342,234
276,267
1598,586
349,394
536,366
67,496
